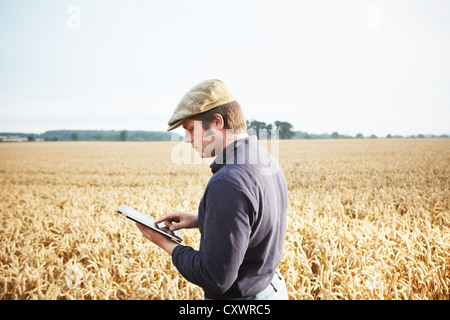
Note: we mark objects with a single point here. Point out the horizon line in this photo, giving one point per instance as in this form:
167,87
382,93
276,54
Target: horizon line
165,131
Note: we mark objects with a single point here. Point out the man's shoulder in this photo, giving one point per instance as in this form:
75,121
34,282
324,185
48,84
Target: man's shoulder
226,177
234,179
225,187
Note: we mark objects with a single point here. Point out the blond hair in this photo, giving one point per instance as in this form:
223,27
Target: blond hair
231,113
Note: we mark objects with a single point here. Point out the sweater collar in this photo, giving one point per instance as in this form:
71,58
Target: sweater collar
228,154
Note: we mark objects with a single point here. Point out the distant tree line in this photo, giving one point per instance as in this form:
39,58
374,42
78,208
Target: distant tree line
258,127
254,127
95,135
286,132
336,135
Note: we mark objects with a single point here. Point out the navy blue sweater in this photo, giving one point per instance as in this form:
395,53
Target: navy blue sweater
242,220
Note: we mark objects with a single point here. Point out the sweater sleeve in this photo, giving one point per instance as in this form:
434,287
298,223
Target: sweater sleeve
226,233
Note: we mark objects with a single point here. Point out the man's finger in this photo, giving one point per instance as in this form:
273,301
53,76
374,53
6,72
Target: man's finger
169,216
167,223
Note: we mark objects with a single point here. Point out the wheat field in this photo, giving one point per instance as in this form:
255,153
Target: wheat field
367,219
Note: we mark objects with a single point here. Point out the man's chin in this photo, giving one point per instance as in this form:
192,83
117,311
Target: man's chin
204,155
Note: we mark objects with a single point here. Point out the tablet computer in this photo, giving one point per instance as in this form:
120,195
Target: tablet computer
145,220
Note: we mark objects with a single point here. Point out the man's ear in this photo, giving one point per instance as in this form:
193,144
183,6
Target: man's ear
218,121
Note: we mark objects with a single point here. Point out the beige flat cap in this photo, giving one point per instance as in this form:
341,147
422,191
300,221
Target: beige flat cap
202,97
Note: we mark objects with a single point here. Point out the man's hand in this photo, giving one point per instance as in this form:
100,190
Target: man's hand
157,238
179,220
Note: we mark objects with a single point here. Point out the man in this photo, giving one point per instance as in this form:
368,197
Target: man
242,214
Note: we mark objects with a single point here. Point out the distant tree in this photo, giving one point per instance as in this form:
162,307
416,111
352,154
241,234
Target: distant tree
31,138
301,135
389,136
74,136
256,126
97,136
269,129
124,135
373,136
335,135
285,129
359,136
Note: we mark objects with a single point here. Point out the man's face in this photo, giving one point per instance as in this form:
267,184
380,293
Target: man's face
205,142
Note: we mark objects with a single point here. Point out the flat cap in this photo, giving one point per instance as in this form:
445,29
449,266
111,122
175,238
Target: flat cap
204,96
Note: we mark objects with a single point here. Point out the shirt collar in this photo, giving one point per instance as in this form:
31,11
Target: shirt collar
227,155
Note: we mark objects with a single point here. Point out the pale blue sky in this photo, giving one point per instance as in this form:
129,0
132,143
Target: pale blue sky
348,66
